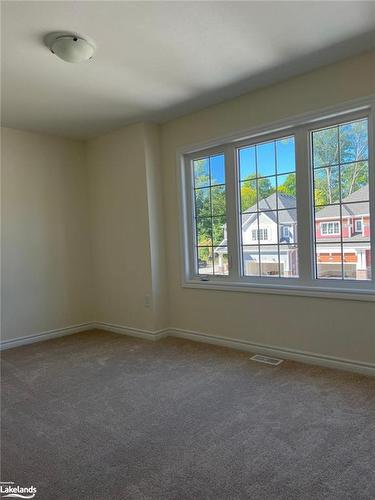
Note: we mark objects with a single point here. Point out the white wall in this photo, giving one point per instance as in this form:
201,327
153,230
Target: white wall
46,258
337,328
126,234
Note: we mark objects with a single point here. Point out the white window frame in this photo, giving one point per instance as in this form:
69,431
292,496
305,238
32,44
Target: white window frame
301,127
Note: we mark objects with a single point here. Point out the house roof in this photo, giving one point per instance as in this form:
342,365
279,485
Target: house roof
359,206
335,239
283,202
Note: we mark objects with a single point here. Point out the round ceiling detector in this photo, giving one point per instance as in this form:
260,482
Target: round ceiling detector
71,48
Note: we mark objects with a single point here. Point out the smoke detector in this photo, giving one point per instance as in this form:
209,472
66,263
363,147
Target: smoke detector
70,47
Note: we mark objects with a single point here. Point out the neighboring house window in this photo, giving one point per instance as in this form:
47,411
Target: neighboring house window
232,191
330,227
260,234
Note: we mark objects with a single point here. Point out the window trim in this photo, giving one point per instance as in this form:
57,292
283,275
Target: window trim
300,126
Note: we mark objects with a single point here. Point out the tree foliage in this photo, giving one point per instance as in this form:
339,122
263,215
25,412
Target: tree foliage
339,155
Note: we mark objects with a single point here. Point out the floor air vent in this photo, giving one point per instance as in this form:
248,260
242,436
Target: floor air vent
267,360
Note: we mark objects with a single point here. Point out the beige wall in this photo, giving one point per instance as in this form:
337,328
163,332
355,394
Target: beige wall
329,327
45,239
156,225
126,237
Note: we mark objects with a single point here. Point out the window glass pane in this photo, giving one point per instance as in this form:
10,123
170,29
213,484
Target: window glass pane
249,225
247,165
267,199
327,223
286,185
221,261
250,255
268,213
356,221
205,260
288,261
218,200
354,179
341,194
357,261
217,167
265,154
325,147
327,185
287,221
248,194
210,214
329,261
203,202
219,230
285,157
201,172
267,227
269,260
353,141
204,231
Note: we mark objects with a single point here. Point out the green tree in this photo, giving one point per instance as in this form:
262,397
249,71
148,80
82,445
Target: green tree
289,185
249,191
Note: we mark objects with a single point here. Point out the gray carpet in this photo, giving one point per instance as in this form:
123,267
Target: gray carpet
104,416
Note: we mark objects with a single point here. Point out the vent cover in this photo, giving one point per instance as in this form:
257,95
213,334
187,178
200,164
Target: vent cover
267,360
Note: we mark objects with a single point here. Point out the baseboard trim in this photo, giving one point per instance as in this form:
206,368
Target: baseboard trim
132,332
50,334
291,354
243,345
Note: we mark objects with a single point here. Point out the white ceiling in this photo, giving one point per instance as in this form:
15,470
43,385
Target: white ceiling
158,60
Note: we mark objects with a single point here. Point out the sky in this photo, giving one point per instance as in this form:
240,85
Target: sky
264,159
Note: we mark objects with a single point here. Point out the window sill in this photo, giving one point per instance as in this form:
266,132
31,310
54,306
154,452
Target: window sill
365,295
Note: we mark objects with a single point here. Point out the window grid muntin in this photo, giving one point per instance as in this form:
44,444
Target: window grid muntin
340,204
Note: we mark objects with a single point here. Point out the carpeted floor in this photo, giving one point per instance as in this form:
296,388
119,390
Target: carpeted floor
104,416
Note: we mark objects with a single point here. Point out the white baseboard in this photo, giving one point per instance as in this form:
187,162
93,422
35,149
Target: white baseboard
243,345
50,334
132,332
292,354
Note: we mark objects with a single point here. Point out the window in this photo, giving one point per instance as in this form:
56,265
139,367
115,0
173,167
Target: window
290,209
330,227
259,234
